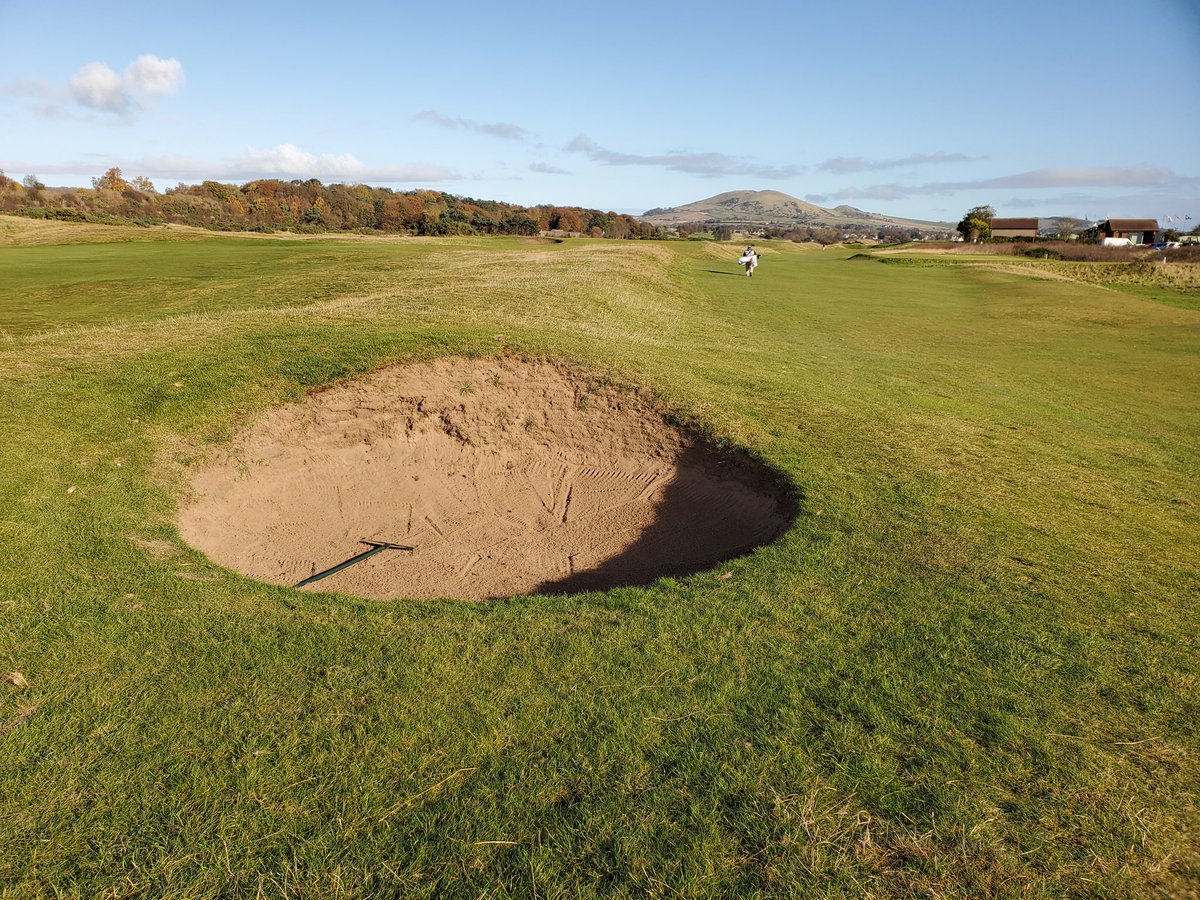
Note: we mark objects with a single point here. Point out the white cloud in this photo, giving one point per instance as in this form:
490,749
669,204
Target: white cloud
150,76
285,161
288,160
96,86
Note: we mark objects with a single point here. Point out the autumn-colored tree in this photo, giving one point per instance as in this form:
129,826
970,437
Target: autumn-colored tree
315,206
315,214
540,215
389,214
219,191
412,208
112,180
567,218
617,227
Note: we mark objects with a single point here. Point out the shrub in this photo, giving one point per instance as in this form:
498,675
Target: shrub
62,214
1039,252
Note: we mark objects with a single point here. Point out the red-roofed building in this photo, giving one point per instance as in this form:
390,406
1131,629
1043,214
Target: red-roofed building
1138,231
1010,228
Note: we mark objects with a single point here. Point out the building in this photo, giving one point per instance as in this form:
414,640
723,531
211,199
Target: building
1012,228
1136,231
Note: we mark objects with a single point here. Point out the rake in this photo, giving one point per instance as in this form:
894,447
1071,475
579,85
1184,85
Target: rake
376,547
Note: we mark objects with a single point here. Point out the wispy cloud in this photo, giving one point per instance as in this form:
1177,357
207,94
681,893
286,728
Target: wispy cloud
33,88
505,130
874,192
845,165
1035,179
547,169
1138,176
98,88
1155,202
285,161
705,165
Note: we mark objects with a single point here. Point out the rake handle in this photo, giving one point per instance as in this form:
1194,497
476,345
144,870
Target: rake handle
376,546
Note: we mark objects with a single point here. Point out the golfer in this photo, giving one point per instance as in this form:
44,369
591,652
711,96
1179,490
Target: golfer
749,259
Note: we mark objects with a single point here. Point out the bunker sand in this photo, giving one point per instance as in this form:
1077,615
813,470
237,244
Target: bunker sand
507,477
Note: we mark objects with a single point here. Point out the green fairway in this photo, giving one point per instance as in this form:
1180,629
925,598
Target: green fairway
970,668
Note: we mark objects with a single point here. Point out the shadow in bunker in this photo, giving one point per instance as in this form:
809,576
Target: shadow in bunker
718,507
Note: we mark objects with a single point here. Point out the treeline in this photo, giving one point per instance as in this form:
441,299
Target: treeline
309,207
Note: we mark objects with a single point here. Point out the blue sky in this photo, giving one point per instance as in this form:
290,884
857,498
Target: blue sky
909,109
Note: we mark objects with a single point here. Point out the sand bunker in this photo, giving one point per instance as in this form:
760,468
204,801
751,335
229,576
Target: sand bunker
506,476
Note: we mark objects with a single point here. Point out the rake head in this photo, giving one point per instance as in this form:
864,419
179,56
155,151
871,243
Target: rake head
386,545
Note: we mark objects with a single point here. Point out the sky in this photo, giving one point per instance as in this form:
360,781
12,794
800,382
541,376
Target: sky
919,110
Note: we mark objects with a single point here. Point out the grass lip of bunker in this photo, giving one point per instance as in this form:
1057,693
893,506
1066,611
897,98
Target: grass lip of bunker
508,476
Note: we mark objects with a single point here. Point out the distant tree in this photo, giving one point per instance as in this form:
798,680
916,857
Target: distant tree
617,228
219,191
722,232
142,183
432,224
1171,234
389,214
519,224
976,225
315,214
33,187
112,180
566,219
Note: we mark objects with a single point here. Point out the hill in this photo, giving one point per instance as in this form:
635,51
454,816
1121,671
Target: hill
777,208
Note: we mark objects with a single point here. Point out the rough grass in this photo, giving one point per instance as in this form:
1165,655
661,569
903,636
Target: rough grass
968,670
1174,282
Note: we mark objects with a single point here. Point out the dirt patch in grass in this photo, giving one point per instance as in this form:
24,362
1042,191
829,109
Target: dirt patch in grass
156,549
507,476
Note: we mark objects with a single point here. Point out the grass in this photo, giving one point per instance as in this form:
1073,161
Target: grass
968,669
1159,277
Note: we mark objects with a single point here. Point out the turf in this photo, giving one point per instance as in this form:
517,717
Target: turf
970,668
